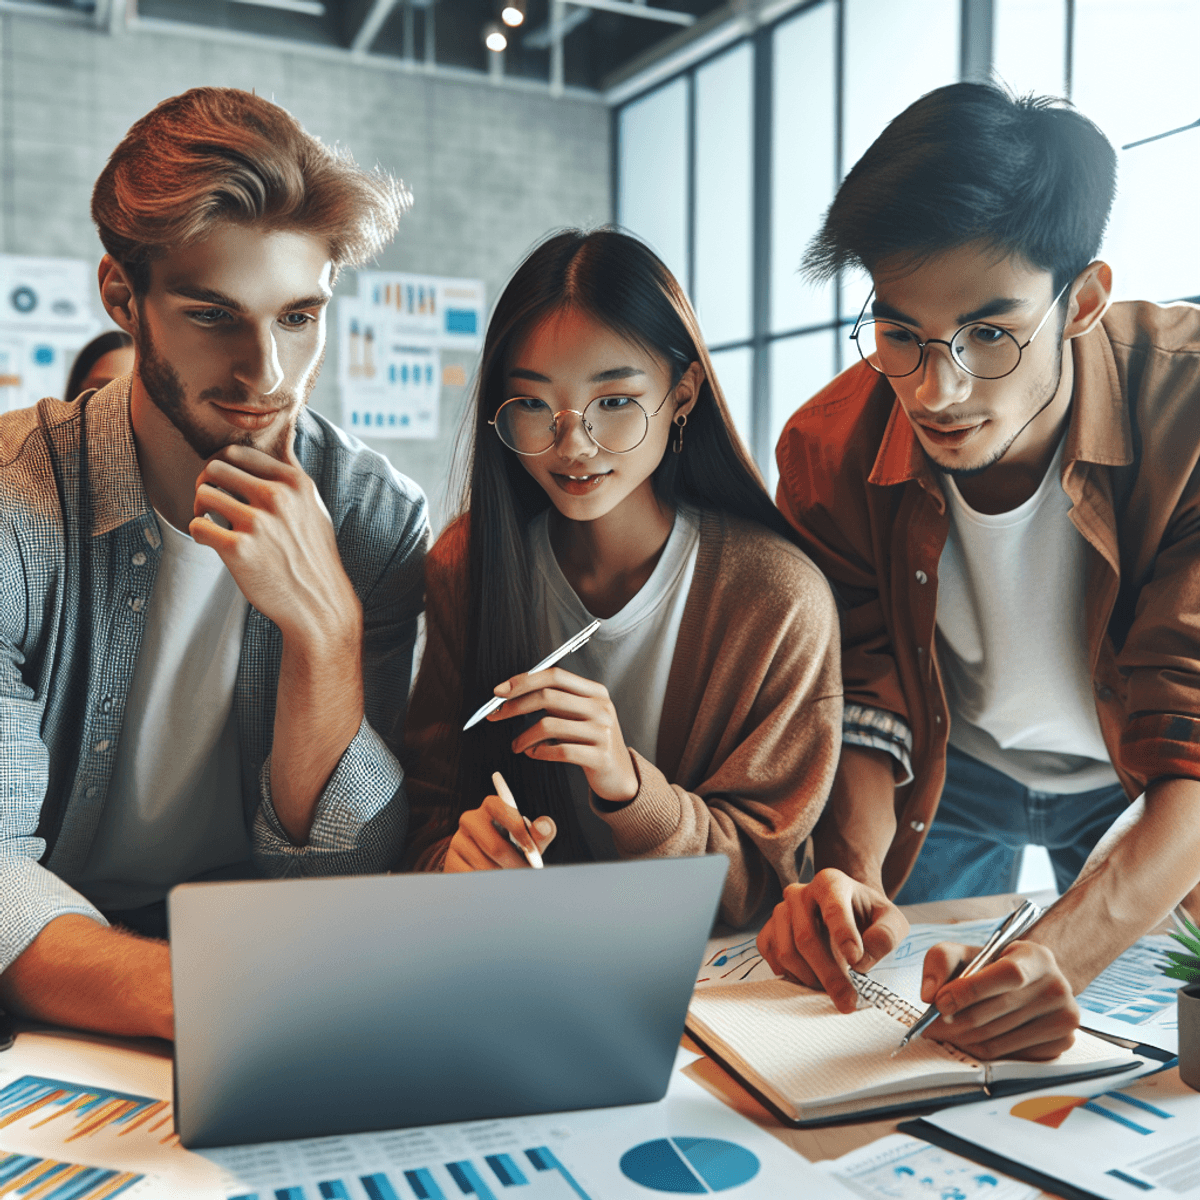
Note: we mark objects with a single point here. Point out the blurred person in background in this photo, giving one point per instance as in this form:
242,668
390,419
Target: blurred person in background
103,359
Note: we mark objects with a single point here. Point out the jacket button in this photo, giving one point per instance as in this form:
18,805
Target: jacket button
922,577
90,793
1105,692
917,826
100,746
106,705
137,603
937,718
139,559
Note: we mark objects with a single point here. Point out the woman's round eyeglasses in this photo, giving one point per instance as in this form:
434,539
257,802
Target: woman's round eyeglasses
982,350
618,424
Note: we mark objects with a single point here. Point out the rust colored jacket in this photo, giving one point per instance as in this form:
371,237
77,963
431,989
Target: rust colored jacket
751,724
870,511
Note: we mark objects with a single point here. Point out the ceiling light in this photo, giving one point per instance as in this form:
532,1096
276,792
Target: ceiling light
513,12
493,38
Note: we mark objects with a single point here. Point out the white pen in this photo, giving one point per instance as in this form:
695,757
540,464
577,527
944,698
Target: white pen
532,857
568,647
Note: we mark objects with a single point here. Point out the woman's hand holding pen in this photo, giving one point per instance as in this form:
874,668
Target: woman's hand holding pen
1018,1006
481,841
820,929
579,725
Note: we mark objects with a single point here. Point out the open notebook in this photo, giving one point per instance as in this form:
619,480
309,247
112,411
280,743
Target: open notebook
814,1065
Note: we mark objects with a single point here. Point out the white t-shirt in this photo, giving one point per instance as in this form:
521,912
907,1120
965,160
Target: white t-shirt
174,805
631,652
1012,641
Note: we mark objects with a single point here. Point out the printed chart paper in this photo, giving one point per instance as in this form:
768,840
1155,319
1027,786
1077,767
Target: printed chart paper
905,1168
688,1143
45,319
1137,1139
390,382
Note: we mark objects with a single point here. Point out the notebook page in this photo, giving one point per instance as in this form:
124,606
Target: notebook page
1087,1053
798,1047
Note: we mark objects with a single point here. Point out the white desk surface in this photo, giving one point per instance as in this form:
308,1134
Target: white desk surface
144,1066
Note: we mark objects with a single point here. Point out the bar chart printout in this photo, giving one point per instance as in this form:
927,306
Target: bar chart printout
79,1113
26,1175
532,1174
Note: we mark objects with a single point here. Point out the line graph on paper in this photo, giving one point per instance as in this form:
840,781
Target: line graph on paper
730,961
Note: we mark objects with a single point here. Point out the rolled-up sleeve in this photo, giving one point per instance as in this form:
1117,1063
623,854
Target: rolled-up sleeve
30,896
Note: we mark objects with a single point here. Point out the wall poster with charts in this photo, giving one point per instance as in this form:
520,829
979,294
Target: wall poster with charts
45,318
390,339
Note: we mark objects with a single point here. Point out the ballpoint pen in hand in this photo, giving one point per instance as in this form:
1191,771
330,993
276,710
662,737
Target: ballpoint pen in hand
532,857
1015,924
568,647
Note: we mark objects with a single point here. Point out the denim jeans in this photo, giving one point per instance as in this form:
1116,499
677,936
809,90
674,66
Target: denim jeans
984,822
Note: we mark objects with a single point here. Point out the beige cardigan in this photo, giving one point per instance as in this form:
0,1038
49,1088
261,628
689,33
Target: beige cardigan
751,723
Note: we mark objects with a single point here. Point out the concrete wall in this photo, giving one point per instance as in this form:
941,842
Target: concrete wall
492,168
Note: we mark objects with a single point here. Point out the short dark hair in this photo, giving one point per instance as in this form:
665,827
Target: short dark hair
90,355
221,154
971,162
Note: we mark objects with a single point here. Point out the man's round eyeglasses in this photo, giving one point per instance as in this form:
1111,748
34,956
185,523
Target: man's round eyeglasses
618,424
982,350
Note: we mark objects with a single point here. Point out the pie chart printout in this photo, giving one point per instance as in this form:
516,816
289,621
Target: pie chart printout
689,1166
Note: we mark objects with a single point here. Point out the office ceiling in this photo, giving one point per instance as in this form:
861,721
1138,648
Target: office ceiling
599,44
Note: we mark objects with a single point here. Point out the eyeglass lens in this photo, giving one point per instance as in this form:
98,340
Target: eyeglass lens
615,423
985,351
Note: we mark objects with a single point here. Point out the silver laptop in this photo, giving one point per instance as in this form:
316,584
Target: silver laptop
325,1006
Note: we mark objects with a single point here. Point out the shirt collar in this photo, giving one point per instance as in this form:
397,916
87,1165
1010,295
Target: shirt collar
1098,430
115,479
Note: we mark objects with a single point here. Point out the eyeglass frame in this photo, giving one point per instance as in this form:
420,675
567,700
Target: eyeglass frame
1021,347
582,421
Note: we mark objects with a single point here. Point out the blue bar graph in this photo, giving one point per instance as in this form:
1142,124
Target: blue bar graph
422,1183
289,1193
379,1187
22,1174
468,1180
506,1170
543,1159
333,1189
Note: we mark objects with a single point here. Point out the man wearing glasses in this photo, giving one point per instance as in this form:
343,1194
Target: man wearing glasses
1005,495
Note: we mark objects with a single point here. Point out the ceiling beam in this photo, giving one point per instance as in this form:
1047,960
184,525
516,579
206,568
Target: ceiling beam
368,31
646,11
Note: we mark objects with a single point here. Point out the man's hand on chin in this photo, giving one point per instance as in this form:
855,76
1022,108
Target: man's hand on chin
280,548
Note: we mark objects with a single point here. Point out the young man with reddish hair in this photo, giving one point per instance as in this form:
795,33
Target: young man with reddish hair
1005,493
208,594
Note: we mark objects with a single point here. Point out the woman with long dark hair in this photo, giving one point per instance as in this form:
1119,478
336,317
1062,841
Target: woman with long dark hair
606,480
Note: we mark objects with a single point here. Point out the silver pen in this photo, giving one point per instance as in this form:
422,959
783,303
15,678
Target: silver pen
568,647
1014,925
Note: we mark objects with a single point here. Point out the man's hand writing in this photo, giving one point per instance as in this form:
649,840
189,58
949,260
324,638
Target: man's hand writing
1018,1006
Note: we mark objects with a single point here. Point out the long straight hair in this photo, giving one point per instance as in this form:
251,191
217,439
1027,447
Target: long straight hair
619,282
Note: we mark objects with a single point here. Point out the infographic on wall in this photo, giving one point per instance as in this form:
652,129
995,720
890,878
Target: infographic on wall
45,318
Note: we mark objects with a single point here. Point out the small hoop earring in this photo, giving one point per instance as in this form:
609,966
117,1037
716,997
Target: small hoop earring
680,422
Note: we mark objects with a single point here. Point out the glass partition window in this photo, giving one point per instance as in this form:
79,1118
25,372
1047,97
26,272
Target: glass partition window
800,368
1029,46
803,160
728,168
652,173
724,161
1134,74
733,368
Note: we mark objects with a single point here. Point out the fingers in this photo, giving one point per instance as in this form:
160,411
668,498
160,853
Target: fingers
798,945
1019,1006
551,700
941,961
888,928
554,678
252,461
544,832
481,841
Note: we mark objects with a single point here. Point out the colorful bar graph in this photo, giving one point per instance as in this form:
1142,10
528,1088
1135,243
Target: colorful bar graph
468,1180
333,1189
506,1170
86,1111
44,1179
544,1160
379,1187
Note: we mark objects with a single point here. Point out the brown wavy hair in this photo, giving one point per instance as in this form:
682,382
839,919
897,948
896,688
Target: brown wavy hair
222,154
